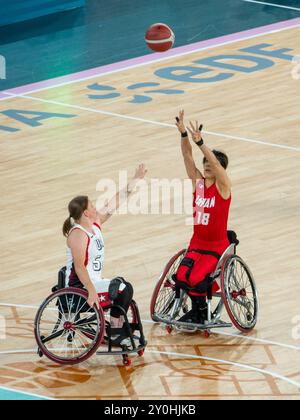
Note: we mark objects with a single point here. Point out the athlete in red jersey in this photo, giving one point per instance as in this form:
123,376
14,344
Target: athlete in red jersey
212,198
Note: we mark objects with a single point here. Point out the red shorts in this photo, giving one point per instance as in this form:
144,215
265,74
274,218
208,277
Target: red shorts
203,264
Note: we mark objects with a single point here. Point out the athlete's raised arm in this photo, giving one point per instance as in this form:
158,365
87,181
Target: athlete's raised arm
111,206
187,152
222,180
78,242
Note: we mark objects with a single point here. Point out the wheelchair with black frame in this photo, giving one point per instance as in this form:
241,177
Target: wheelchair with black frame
172,300
68,331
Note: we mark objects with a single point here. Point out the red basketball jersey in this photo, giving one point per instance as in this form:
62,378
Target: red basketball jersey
211,213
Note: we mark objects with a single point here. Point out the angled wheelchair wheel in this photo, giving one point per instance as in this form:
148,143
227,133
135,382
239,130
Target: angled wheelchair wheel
67,329
164,293
239,293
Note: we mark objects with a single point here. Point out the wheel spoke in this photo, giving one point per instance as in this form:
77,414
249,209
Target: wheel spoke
242,307
68,336
166,295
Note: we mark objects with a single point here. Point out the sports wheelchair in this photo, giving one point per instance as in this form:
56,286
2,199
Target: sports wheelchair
68,331
171,301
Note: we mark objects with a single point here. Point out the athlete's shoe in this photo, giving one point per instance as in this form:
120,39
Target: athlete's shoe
127,342
195,316
122,341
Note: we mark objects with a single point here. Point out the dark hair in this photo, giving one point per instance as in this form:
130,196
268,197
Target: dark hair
222,158
76,208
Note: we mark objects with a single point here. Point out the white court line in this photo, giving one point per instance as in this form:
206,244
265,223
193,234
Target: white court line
19,306
192,356
272,4
242,337
259,340
157,60
30,394
147,321
143,120
226,362
23,351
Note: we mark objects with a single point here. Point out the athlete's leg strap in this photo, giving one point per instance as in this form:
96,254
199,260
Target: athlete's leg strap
114,287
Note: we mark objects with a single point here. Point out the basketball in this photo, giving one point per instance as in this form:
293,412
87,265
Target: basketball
160,37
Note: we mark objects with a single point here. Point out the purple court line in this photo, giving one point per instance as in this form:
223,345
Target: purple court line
151,58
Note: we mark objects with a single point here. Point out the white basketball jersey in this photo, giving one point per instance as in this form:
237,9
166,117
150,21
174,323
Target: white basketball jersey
94,257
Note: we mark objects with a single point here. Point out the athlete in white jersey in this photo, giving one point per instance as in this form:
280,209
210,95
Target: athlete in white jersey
85,253
94,261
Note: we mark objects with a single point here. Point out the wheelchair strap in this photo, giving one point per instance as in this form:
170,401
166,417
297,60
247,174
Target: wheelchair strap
205,252
189,262
114,286
202,287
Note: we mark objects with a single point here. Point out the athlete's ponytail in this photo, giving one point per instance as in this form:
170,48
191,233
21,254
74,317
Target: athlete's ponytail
76,208
67,226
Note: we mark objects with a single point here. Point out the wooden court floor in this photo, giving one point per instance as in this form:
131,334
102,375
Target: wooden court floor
254,117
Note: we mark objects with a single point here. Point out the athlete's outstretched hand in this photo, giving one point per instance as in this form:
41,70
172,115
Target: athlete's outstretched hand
93,298
141,171
180,122
195,131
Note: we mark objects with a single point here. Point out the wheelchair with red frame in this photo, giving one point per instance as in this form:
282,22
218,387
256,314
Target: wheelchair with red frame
172,301
68,331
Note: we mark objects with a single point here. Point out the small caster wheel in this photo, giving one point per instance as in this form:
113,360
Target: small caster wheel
169,329
126,360
40,353
206,334
141,353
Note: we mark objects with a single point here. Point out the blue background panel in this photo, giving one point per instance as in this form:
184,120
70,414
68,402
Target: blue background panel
7,394
105,32
21,10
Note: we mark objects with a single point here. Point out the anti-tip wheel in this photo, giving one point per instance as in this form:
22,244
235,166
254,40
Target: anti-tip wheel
169,329
126,361
206,334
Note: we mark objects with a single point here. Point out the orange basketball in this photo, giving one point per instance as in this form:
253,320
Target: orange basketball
160,37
